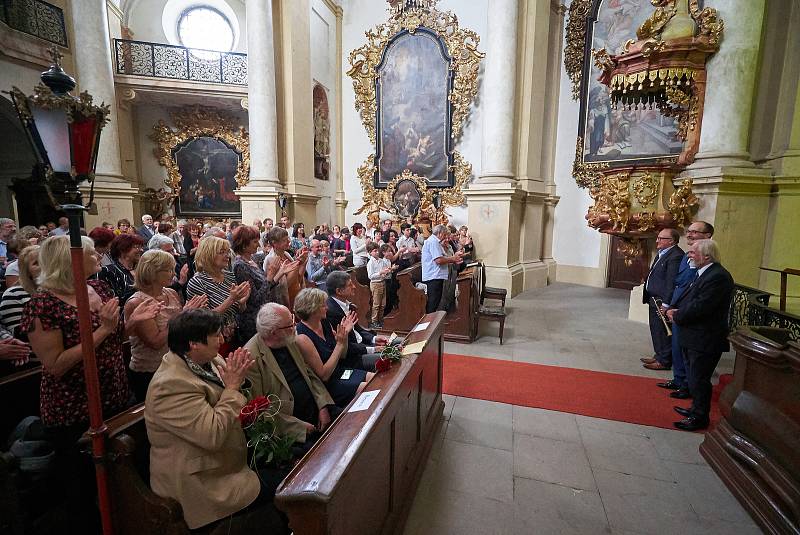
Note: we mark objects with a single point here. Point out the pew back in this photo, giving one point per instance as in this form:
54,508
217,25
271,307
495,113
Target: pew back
360,477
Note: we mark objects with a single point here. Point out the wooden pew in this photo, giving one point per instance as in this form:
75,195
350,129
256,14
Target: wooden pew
361,476
363,297
19,397
460,326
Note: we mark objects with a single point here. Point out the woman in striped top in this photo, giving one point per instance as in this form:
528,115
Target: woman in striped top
215,280
14,298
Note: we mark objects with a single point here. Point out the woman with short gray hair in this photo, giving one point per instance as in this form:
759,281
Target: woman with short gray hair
324,349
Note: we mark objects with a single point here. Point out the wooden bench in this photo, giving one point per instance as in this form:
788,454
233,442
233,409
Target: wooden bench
363,296
19,397
460,326
361,476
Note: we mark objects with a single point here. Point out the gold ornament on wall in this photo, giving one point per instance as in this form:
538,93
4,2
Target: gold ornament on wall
576,41
416,17
195,122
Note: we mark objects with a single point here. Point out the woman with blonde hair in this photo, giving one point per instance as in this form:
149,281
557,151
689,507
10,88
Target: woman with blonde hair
215,280
15,297
154,273
324,349
50,319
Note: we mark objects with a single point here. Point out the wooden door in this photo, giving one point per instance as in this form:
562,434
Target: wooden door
623,276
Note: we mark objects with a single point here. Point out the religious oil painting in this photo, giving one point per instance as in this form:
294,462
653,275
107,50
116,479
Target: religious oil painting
406,199
413,110
617,136
207,167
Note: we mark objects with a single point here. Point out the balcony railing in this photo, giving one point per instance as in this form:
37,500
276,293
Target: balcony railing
157,60
751,307
36,18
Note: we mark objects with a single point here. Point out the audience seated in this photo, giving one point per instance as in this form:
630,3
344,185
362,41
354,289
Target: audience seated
324,349
362,344
198,450
281,370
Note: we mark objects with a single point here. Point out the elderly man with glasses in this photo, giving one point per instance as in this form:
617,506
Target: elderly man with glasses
280,370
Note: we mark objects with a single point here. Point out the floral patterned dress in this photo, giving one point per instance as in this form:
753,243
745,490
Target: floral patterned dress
63,399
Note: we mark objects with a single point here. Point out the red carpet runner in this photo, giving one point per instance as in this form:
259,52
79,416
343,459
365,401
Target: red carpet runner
611,396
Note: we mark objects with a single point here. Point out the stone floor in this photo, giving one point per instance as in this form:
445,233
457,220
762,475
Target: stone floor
503,469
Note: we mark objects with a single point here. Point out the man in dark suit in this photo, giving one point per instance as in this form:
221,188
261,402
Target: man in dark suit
147,229
702,314
659,284
699,230
364,346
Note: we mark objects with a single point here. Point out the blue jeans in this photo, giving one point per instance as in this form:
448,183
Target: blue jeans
678,366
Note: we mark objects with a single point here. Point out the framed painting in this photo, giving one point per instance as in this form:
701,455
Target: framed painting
207,167
612,137
406,199
413,117
207,158
414,81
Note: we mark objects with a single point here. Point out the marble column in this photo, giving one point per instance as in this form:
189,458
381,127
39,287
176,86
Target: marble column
498,94
734,193
731,86
94,72
259,196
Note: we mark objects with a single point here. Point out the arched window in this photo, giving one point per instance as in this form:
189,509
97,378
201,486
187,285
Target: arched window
205,27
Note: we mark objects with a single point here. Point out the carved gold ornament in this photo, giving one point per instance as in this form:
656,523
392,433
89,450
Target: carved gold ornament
376,200
462,47
576,41
587,175
193,122
630,250
646,190
683,203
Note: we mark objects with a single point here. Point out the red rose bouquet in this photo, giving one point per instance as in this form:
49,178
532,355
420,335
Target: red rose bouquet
258,421
389,355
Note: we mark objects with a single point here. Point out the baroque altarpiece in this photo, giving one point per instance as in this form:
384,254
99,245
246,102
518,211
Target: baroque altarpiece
639,72
415,81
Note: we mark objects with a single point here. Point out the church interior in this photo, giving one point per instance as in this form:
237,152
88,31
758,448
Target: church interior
566,137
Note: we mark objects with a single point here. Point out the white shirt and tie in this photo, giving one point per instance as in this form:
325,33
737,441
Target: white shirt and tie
345,305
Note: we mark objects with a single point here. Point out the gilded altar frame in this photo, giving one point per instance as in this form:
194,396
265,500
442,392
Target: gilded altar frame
460,46
192,123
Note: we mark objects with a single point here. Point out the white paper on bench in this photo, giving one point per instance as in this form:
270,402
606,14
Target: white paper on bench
421,326
364,401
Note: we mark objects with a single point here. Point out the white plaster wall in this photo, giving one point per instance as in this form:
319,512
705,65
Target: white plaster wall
359,16
13,74
324,71
574,242
144,18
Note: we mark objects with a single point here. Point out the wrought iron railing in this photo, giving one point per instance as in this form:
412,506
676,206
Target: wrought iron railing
36,18
155,60
751,307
